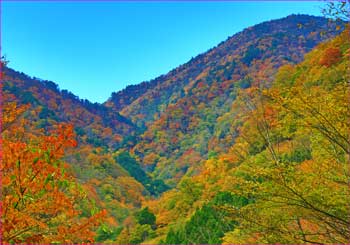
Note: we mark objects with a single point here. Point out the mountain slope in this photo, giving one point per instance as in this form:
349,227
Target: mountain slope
95,123
102,172
198,128
186,111
143,102
285,177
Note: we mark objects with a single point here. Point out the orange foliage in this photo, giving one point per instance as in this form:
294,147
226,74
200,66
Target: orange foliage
330,57
150,158
40,200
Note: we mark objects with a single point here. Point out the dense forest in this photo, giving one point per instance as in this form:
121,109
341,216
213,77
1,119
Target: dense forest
246,143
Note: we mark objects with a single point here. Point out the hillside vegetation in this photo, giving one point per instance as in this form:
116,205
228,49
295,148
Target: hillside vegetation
285,178
247,143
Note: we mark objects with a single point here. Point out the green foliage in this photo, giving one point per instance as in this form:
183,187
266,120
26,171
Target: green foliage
227,198
209,223
106,234
79,131
212,154
174,237
129,163
145,217
141,233
251,54
298,156
244,83
95,141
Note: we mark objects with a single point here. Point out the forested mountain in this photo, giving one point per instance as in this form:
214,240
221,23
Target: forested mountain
278,41
245,143
113,180
94,123
285,177
188,110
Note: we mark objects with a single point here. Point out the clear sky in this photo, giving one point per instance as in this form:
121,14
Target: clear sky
95,48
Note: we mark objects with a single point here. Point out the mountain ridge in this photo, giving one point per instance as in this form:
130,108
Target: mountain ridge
187,115
121,99
177,126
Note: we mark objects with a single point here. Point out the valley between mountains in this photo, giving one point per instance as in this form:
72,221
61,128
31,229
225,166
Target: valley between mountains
246,143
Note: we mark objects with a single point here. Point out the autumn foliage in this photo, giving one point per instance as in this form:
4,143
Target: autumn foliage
247,143
287,170
331,56
40,199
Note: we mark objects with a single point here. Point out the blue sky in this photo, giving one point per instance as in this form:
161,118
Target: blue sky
95,48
